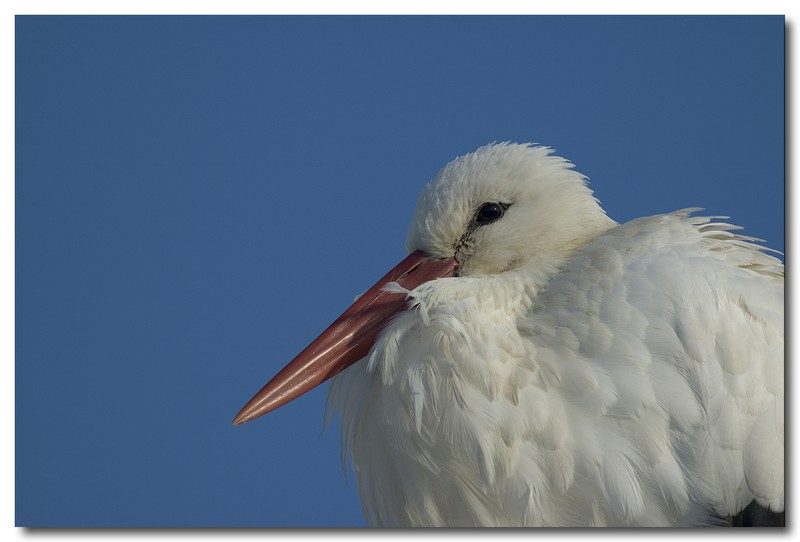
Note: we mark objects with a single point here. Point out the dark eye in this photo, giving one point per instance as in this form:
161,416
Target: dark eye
489,212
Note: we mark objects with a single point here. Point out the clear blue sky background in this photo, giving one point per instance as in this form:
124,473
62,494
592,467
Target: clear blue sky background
197,198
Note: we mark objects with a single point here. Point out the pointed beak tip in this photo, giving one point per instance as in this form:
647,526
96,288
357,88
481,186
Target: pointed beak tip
348,339
250,412
239,419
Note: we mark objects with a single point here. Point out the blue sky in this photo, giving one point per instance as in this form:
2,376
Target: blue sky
198,197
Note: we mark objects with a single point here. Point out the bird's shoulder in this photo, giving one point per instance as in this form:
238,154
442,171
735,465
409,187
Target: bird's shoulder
661,262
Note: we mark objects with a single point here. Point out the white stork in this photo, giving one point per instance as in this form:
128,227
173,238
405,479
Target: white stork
534,363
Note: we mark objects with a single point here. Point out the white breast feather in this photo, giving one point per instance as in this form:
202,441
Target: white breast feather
642,386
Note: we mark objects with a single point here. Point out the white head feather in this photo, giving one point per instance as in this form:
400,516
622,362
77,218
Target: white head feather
550,210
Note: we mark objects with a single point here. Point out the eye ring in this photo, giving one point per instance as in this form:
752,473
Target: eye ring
489,212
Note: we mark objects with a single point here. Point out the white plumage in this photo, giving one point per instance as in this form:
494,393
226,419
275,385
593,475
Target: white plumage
576,372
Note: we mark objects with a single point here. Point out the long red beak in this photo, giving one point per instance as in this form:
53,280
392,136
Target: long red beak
348,339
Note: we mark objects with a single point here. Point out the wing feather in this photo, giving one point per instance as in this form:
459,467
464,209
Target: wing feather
687,319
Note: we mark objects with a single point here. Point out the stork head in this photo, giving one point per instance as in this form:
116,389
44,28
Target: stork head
502,207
